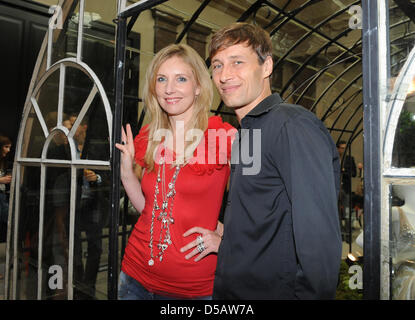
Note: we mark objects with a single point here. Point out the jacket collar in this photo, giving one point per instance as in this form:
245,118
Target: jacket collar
265,105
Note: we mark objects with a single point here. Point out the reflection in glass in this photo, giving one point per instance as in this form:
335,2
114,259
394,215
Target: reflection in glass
98,51
285,38
27,268
400,34
47,99
56,232
92,133
59,147
91,219
403,243
77,89
65,38
321,10
33,137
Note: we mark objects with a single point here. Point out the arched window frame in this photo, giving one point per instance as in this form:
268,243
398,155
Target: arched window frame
37,82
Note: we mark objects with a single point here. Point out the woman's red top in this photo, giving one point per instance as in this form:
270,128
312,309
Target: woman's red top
199,190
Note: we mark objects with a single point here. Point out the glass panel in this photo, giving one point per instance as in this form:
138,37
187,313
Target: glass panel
351,38
27,250
316,13
132,95
402,36
91,218
65,36
91,224
98,52
59,147
324,102
186,9
78,86
286,5
404,146
33,137
56,233
92,136
47,99
309,91
403,242
308,47
354,71
4,267
286,37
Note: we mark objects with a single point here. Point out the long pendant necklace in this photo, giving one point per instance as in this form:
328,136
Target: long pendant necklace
166,211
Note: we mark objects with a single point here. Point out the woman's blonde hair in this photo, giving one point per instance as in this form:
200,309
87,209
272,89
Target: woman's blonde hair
158,117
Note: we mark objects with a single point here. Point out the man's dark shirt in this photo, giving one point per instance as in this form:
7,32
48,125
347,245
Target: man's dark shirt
281,229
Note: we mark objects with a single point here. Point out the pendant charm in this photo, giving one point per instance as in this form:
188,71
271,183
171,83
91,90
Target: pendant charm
171,193
164,222
150,262
165,205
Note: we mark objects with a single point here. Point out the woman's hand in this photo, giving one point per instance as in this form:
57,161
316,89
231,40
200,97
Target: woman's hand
129,180
210,240
127,152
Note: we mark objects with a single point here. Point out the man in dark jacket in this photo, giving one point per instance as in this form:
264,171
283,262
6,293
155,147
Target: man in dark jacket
348,171
281,235
348,167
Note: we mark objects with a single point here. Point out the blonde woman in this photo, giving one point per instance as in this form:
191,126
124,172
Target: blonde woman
182,174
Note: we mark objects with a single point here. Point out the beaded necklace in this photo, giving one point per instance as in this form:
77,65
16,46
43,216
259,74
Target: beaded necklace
166,211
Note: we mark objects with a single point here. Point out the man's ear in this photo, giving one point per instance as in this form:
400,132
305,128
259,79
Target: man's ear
268,65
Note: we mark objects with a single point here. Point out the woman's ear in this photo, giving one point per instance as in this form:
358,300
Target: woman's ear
197,92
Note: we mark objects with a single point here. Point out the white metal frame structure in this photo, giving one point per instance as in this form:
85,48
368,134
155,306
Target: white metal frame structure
383,108
38,80
393,175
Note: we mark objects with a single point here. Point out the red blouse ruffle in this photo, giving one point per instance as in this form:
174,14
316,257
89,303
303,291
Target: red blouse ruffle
219,153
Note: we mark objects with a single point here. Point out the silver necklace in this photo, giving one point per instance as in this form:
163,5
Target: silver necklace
166,211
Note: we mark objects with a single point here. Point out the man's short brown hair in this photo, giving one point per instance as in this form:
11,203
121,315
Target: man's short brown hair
241,32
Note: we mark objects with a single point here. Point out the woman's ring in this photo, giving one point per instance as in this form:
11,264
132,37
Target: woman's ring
199,239
200,247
